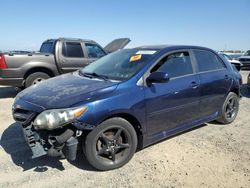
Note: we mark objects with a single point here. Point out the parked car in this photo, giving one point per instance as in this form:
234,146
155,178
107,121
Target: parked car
126,101
56,56
235,62
235,55
245,60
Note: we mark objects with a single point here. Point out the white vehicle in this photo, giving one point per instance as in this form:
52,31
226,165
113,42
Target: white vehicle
245,60
235,62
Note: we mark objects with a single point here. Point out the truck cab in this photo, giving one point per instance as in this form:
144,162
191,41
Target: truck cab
55,57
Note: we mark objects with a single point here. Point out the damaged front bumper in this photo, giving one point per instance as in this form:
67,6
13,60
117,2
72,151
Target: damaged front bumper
34,142
56,143
61,141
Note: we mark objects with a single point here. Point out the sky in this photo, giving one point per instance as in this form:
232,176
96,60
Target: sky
217,24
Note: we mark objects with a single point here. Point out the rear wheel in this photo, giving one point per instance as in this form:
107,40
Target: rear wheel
229,109
35,78
111,144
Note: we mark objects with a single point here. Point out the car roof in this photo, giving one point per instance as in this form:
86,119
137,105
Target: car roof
171,47
71,39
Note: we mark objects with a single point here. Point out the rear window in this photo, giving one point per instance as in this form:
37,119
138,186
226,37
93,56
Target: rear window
72,49
207,61
47,47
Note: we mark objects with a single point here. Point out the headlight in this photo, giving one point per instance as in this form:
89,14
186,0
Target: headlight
52,119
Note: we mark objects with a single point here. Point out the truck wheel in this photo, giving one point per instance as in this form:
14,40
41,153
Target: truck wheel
35,78
111,144
229,109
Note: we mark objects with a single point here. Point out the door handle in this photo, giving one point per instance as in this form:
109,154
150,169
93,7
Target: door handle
194,84
226,77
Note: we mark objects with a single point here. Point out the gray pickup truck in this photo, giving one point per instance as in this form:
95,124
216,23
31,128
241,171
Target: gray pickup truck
56,56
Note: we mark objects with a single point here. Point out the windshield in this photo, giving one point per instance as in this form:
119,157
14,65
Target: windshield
47,47
247,53
120,65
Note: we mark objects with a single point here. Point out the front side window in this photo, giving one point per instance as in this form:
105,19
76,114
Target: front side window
176,65
72,49
94,51
207,61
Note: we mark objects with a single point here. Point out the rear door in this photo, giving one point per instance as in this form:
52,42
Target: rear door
73,57
215,81
176,102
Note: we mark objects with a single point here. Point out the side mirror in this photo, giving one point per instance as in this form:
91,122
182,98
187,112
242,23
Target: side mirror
158,77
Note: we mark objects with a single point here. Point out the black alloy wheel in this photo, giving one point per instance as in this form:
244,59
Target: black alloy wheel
229,109
111,144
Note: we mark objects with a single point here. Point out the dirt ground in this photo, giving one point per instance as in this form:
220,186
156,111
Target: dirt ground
212,155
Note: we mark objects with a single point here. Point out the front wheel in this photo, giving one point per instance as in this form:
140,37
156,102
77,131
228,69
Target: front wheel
229,109
111,144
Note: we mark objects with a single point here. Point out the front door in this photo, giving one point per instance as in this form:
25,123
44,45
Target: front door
94,52
73,57
176,102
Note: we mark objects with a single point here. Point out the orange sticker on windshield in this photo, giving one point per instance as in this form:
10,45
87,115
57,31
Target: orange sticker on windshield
135,57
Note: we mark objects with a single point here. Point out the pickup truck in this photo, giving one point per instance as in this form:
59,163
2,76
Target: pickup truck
56,56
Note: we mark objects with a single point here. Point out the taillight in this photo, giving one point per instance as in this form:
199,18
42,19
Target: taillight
2,62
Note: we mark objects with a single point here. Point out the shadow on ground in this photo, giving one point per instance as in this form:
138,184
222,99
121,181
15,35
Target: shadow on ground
8,92
245,91
13,142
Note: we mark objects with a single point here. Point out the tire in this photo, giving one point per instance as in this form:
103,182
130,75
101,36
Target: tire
35,78
111,144
229,109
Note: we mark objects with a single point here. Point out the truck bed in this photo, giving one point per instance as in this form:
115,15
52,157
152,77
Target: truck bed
19,63
16,60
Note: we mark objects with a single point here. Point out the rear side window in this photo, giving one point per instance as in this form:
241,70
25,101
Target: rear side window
47,47
175,64
94,51
207,61
72,49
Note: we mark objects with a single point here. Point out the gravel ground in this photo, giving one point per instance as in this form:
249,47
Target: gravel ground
210,156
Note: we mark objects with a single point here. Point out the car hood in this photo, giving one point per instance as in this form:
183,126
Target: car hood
116,44
66,90
235,61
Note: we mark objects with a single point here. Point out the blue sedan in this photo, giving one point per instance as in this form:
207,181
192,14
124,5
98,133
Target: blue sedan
126,101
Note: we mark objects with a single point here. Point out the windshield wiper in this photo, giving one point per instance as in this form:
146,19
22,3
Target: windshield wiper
93,74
